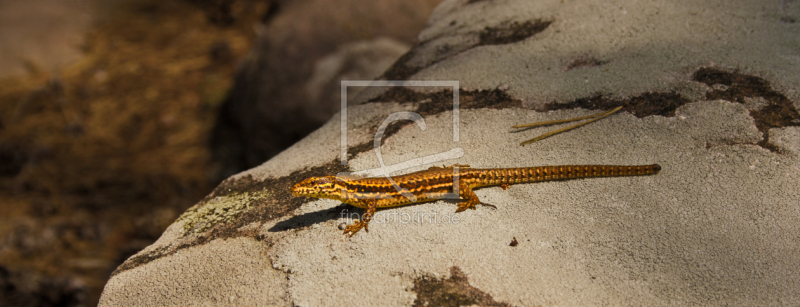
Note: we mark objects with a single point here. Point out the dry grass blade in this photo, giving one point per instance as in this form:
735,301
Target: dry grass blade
599,116
560,121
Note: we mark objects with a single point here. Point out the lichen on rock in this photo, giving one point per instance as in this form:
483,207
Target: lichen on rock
220,209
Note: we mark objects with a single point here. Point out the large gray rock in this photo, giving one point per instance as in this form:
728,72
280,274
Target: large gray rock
709,91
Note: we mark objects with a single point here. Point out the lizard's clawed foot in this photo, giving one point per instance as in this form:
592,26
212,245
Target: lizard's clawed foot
467,205
352,229
488,205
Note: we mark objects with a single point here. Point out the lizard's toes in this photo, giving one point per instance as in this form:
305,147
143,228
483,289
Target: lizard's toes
350,230
465,207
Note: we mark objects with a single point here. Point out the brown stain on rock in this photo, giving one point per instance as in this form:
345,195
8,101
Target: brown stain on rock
454,291
504,33
734,86
401,70
646,104
513,32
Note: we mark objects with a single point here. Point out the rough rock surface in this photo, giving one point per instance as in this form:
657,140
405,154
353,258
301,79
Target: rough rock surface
708,89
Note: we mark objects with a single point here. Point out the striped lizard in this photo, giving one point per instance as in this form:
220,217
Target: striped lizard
438,182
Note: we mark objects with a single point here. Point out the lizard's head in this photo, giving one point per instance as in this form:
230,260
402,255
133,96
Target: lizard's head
319,187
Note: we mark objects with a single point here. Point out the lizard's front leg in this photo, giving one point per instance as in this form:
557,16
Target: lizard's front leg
372,205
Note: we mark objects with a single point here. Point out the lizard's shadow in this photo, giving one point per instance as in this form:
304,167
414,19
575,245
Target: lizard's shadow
340,211
316,217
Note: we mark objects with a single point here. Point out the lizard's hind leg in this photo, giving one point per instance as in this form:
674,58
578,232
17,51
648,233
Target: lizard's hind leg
470,199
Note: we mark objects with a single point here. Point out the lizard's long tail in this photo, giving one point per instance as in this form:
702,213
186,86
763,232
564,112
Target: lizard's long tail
561,172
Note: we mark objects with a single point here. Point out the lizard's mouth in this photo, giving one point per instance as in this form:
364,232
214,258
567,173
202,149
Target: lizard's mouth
312,187
300,190
297,191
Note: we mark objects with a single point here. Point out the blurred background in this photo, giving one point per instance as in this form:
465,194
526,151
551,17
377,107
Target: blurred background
117,115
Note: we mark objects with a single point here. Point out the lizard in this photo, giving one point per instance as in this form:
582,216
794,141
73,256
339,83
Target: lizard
437,182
